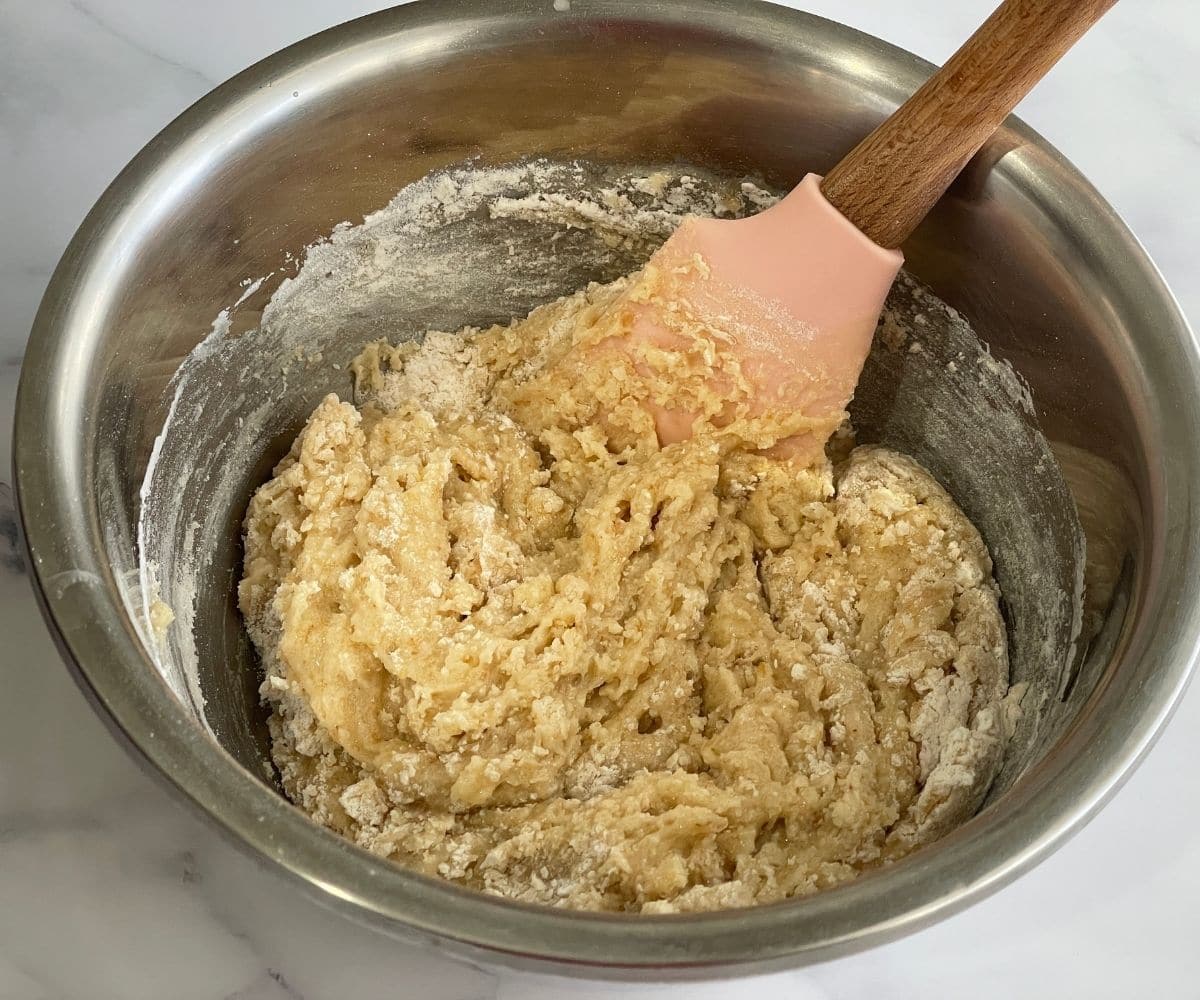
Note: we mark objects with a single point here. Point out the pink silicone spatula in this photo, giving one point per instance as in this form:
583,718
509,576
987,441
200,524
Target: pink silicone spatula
807,278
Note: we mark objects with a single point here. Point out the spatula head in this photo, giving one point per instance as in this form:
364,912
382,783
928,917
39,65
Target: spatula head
779,309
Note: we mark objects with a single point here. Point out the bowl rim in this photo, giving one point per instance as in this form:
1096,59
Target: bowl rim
78,596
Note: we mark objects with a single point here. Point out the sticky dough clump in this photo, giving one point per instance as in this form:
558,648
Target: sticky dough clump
511,641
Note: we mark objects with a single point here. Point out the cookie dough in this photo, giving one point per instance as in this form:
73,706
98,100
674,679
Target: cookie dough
512,642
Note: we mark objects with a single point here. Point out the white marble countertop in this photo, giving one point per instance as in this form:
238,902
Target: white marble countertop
108,888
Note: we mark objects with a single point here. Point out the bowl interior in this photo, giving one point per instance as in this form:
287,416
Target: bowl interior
471,246
329,130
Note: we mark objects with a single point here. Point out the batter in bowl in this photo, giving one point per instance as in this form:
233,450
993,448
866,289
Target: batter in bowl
512,642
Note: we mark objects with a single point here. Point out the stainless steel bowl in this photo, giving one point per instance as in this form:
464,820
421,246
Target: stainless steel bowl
328,130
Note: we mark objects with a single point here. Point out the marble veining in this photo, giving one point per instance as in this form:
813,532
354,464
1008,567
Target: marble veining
112,888
10,558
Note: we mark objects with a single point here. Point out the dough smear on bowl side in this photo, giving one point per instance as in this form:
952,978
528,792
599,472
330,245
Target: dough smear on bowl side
511,641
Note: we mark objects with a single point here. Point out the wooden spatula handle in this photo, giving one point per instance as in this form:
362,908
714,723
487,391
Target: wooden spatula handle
888,183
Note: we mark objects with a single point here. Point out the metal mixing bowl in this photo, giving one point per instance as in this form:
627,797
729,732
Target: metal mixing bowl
328,130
